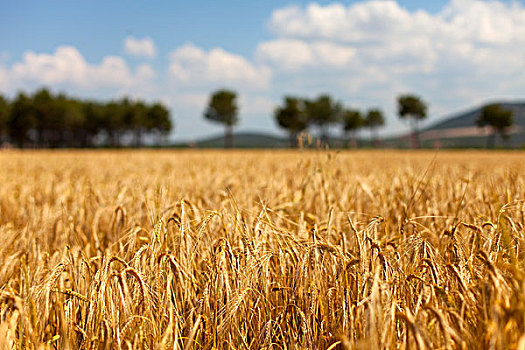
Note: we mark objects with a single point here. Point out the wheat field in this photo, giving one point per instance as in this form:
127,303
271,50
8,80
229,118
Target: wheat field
262,250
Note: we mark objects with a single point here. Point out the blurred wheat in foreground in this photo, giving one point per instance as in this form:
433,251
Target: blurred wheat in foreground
259,250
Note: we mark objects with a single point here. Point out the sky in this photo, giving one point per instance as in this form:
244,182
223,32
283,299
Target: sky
455,55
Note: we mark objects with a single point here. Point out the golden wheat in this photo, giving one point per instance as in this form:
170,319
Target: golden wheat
259,249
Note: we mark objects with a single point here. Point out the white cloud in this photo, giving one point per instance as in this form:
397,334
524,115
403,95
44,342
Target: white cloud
140,47
67,67
145,72
482,33
363,21
293,54
257,105
194,67
4,84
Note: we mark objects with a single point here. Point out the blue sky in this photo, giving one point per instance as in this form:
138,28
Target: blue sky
454,54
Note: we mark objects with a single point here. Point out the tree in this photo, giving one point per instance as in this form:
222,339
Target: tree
22,119
352,122
4,116
414,109
374,119
112,121
158,120
72,131
135,114
93,121
47,118
322,112
222,108
292,117
498,118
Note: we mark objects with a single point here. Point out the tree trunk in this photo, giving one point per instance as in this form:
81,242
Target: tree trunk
138,137
418,141
414,137
375,137
491,139
228,136
355,139
324,134
348,139
293,139
505,138
115,139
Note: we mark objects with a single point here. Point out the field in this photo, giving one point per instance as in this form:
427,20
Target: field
259,249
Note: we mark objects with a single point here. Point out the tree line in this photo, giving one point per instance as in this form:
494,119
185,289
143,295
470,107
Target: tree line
297,114
44,119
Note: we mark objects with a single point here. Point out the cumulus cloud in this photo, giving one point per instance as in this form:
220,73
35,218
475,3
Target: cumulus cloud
140,47
296,54
192,66
377,21
467,32
67,67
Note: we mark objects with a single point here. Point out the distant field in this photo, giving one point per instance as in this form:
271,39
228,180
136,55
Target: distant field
260,249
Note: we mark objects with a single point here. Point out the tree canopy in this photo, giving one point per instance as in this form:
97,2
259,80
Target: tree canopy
292,117
222,108
498,118
297,114
44,119
411,106
414,109
4,116
374,119
352,120
322,112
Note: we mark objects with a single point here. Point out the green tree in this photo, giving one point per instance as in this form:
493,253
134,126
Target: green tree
158,120
4,117
323,112
112,121
499,119
374,119
135,119
414,109
352,122
72,131
93,121
47,118
292,117
222,108
22,119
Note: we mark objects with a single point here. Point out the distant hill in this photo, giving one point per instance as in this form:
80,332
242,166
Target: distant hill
461,130
253,140
242,140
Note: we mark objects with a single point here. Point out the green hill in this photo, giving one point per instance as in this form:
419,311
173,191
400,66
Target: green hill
461,130
241,140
